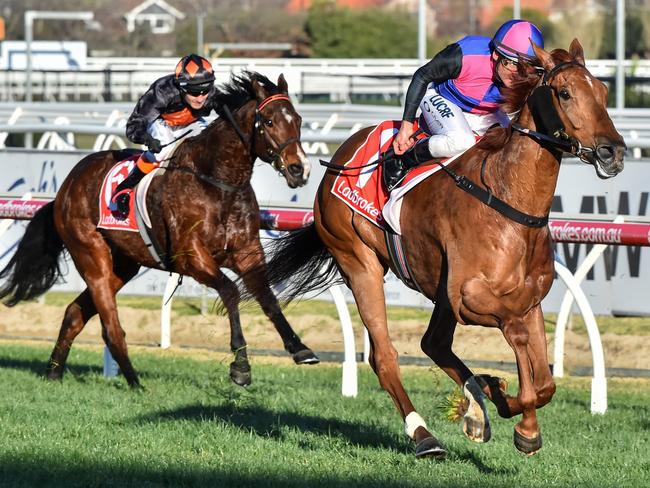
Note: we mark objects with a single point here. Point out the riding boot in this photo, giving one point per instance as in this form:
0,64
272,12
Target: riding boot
122,194
397,167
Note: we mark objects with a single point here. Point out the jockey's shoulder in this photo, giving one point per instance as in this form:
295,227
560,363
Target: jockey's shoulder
166,81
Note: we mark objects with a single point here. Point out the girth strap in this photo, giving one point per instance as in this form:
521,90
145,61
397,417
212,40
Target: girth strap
397,256
152,244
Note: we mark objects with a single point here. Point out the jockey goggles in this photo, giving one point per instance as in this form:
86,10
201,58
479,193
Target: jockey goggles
197,90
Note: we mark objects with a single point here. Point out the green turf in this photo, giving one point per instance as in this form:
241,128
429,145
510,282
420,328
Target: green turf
291,428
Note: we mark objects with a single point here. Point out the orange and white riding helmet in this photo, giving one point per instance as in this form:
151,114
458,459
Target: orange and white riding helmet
194,74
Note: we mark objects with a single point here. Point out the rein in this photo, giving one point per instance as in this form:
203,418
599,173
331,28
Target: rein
227,187
389,154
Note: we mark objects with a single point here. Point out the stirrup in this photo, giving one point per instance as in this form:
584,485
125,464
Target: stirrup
120,203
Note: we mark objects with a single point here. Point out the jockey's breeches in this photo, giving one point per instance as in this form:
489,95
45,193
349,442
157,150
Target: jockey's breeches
167,134
453,130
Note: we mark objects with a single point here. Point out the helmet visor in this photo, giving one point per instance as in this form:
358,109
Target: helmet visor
197,90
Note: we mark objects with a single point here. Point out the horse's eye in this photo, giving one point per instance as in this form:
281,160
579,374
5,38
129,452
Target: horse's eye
564,94
268,122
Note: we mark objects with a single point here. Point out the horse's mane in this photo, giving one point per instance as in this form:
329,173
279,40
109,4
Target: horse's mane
515,98
239,90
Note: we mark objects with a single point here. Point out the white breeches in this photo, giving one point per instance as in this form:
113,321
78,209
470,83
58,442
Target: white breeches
453,130
166,134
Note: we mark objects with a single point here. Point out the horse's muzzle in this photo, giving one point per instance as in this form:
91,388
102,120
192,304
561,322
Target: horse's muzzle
297,174
608,158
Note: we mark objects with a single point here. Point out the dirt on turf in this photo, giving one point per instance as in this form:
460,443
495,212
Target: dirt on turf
320,332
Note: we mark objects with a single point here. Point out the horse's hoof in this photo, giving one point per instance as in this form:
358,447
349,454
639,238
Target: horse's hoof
527,445
305,356
430,447
51,375
476,424
240,373
477,430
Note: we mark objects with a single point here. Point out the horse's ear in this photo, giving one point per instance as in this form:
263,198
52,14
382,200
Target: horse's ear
282,84
576,52
258,89
545,59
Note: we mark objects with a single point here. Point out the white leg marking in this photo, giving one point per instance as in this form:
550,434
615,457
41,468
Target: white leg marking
412,421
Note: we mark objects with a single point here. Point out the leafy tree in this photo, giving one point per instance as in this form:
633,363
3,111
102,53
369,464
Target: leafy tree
228,23
367,33
577,24
635,41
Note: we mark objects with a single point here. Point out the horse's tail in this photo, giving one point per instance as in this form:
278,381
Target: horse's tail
299,263
34,267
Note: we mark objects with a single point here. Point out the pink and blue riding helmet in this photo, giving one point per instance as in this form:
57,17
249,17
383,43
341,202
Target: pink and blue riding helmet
513,40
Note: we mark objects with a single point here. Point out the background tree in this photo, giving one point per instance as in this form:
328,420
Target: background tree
251,21
366,33
577,24
635,39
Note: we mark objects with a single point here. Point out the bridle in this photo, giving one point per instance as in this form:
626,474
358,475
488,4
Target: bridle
560,139
273,154
274,151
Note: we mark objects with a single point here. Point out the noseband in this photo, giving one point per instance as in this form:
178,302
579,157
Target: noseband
274,151
543,104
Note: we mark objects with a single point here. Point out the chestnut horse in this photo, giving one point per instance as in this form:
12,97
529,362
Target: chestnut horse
486,264
204,215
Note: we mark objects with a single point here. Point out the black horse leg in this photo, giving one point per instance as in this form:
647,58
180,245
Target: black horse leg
257,283
240,369
437,344
76,316
438,339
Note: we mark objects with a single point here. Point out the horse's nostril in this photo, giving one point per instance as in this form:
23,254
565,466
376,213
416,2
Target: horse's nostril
295,169
605,152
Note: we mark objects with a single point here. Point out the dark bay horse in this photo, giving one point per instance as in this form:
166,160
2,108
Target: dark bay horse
205,216
478,265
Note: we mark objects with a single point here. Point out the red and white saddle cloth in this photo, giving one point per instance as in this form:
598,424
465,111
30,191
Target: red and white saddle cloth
363,189
138,204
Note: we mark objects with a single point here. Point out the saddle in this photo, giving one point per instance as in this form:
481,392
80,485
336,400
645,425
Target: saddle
138,219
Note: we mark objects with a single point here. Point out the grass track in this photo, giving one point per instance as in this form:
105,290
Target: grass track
291,428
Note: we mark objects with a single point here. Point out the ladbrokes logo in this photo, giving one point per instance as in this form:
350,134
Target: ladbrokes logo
356,199
580,233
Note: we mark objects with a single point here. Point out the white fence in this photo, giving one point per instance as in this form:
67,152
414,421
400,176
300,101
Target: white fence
115,79
323,124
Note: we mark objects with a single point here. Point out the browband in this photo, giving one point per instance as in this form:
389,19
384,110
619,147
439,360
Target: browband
556,69
273,98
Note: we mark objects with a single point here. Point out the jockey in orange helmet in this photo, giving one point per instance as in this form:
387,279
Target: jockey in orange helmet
174,106
459,95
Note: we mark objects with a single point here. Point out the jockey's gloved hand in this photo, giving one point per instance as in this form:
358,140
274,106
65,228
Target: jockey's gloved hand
153,144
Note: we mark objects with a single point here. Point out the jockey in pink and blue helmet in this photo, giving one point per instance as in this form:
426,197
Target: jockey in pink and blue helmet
513,40
458,94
